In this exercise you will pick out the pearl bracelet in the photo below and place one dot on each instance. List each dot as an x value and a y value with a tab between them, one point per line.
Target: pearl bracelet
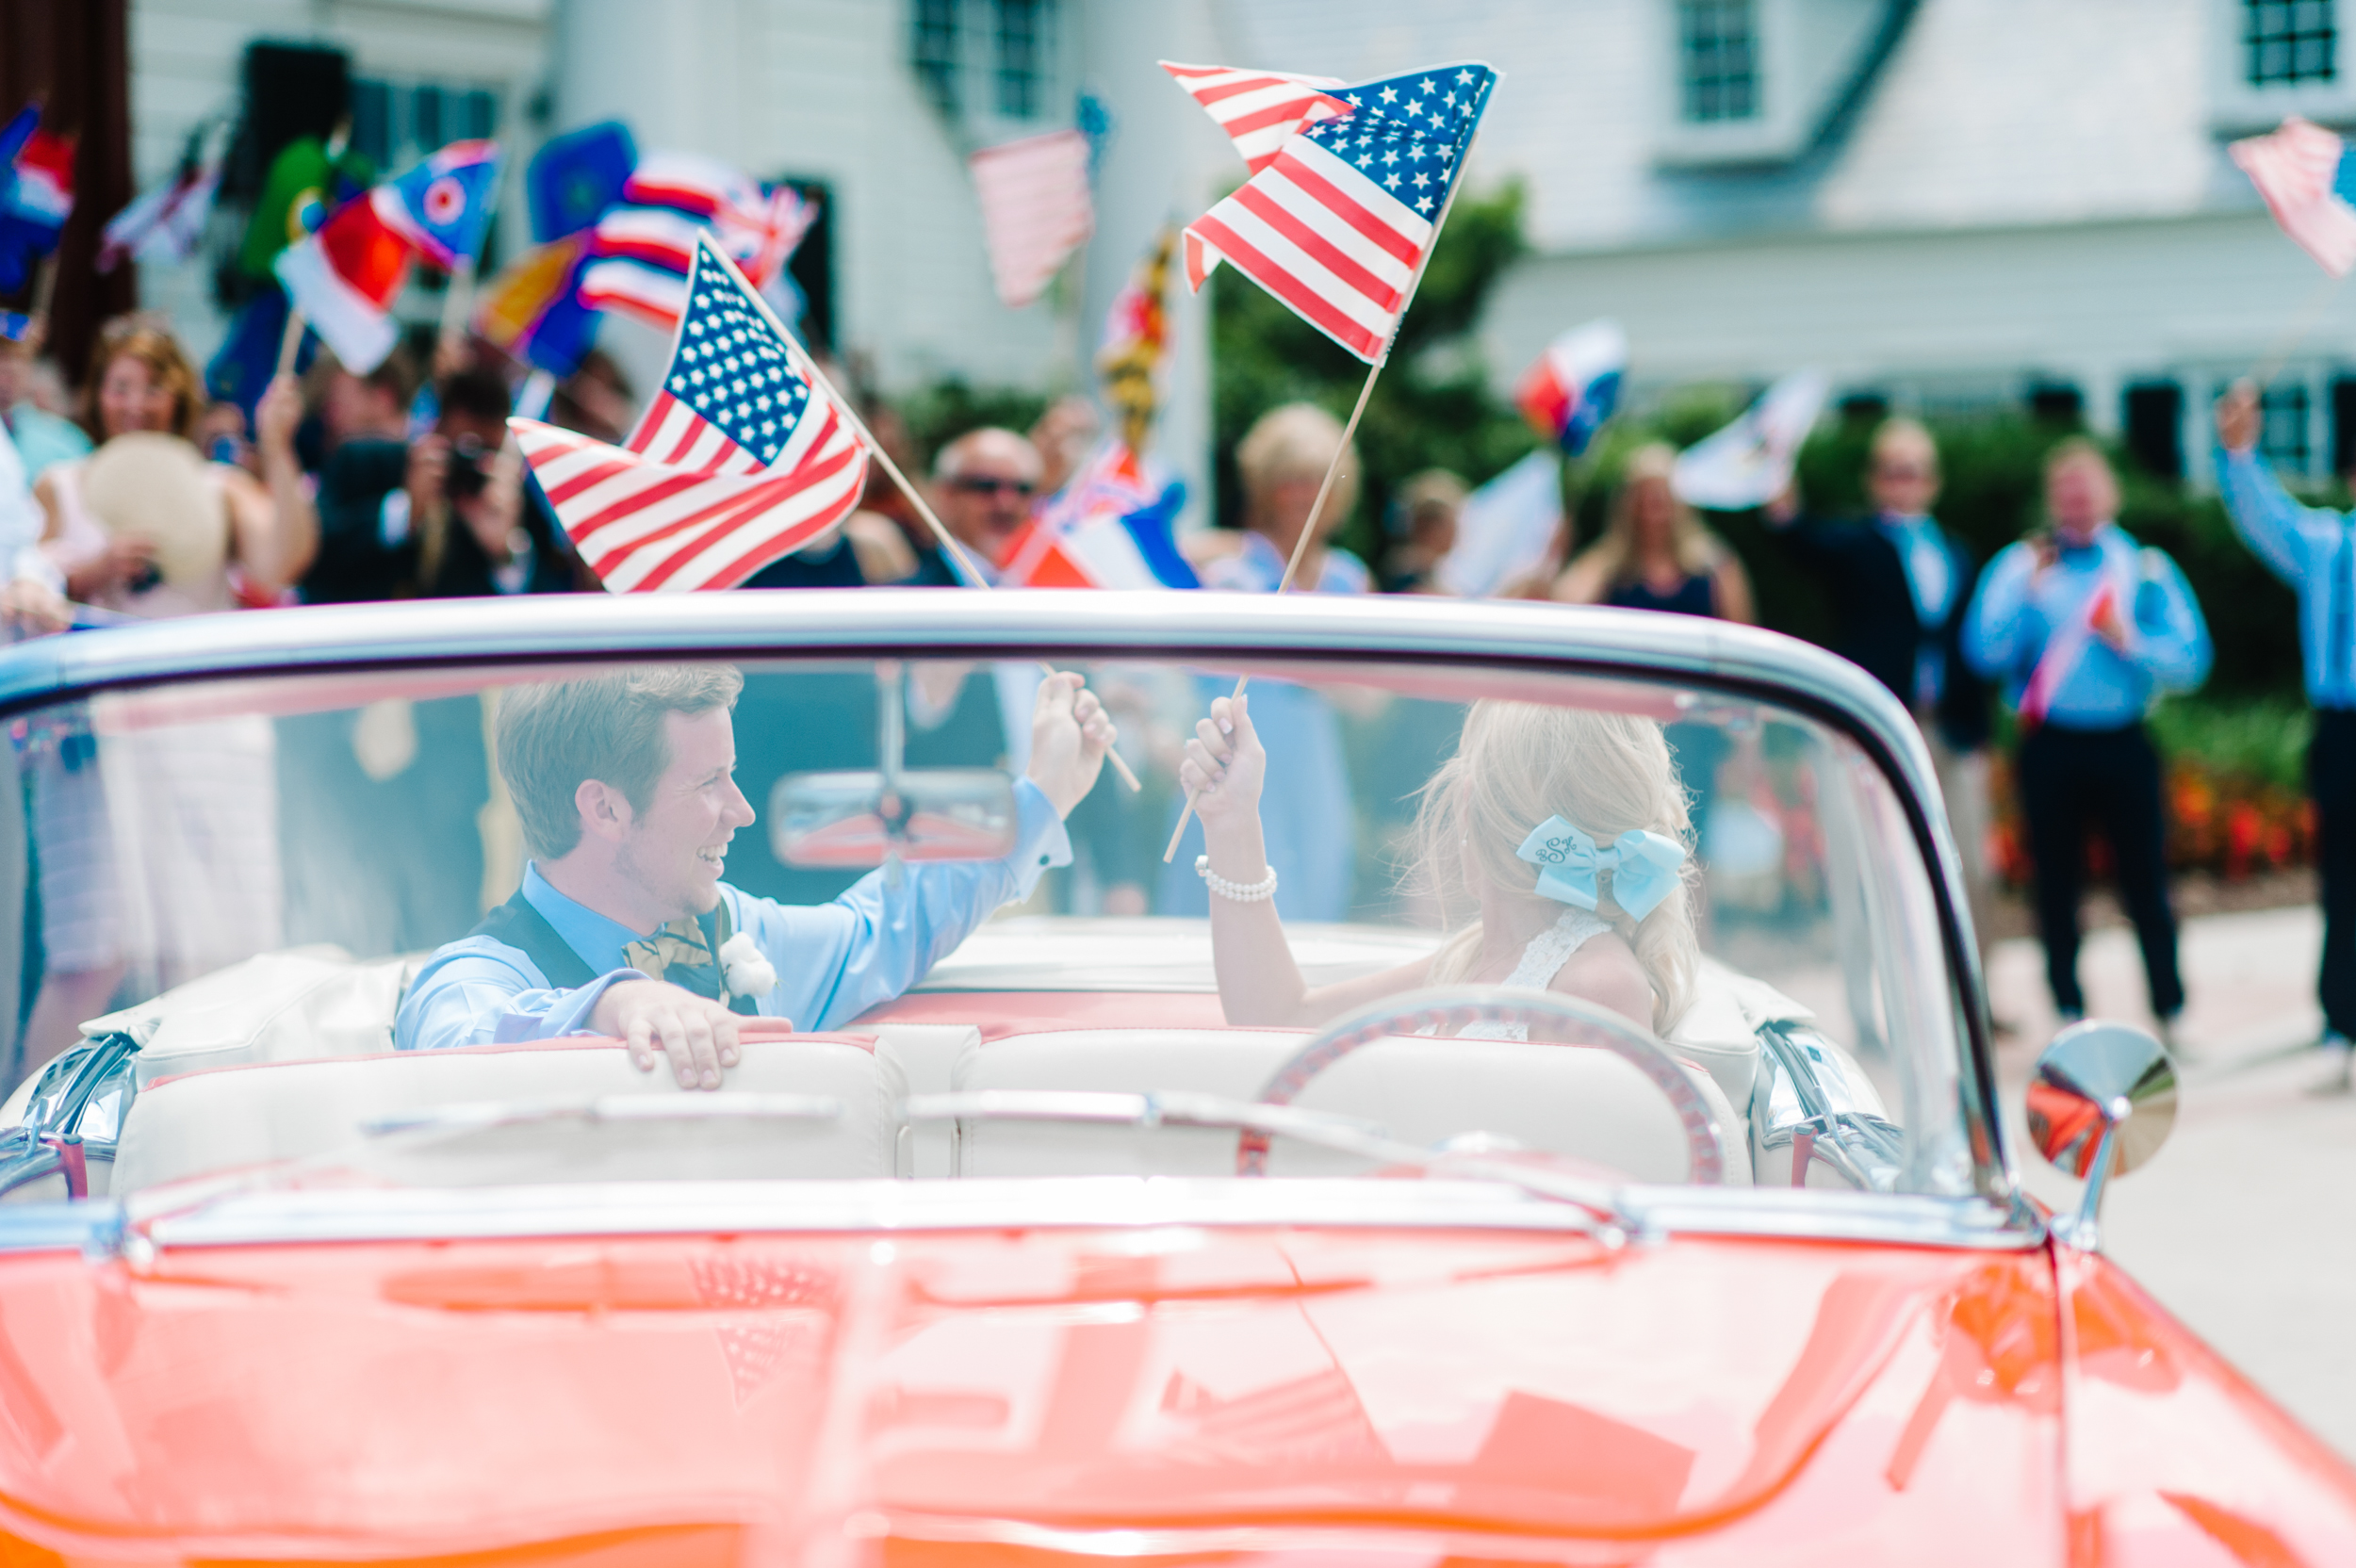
1237	893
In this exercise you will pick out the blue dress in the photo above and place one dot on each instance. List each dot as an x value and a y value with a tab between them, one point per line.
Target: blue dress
1307	809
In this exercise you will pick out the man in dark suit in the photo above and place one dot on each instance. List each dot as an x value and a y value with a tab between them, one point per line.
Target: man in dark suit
1899	583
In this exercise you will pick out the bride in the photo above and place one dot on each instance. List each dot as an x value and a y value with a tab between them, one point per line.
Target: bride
1555	840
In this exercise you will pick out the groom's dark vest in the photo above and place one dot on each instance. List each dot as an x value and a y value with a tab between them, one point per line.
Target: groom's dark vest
518	926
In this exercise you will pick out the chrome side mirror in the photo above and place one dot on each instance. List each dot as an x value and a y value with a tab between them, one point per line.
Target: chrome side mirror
2102	1101
861	819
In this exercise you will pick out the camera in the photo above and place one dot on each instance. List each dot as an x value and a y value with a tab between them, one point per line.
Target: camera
470	469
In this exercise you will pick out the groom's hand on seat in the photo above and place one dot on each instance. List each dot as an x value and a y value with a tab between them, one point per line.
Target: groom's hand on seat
659	1021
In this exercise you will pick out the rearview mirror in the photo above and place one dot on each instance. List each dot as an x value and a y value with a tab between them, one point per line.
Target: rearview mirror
855	819
2102	1101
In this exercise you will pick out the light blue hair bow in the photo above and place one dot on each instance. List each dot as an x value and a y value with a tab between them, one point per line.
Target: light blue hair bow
1644	866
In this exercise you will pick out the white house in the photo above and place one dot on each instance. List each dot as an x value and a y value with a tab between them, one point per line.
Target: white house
1945	203
879	102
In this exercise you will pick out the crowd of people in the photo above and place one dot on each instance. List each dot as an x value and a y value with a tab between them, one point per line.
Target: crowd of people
146	500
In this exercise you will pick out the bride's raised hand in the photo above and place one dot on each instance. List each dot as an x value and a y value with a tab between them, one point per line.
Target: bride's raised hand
1225	766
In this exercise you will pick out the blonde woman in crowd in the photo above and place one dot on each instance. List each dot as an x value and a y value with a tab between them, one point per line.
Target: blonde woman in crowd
1283	459
1556	844
1654	554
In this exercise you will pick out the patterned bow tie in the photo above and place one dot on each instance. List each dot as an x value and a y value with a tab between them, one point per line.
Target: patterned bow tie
676	952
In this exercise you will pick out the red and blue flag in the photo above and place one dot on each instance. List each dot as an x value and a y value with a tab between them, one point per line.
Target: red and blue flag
444	206
642	248
35	195
1575	385
1111	527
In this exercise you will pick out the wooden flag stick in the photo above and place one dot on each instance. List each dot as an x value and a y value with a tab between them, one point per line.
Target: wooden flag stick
808	367
290	342
457	304
1309	529
45	288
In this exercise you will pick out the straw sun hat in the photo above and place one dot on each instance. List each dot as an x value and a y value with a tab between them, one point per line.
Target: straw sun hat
153	486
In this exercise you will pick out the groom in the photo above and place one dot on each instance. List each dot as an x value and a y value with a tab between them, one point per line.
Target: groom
625	782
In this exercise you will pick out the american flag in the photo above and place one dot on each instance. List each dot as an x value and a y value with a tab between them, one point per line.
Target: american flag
740	459
1258	109
640	250
1036	209
2307	180
1338	223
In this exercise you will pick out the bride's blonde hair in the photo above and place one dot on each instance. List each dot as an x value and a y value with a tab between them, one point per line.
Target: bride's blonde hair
1519	763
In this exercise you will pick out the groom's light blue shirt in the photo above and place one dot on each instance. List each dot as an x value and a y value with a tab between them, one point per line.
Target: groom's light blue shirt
834	961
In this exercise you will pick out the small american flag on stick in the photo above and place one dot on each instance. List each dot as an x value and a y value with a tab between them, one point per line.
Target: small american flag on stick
741	458
1036	209
1338	222
1258	109
2305	175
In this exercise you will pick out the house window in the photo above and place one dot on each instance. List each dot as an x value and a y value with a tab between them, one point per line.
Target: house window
2286	42
396	123
2284	432
1021	56
933	51
1718	60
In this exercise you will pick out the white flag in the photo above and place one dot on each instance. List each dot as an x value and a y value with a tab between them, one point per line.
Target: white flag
1505	528
1750	462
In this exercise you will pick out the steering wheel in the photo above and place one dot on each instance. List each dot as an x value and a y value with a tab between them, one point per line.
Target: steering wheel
1547	1015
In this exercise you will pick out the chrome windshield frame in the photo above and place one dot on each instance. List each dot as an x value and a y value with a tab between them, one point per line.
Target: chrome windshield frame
1738	661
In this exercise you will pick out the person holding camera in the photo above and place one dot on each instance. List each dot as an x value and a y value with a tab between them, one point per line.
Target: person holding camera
441	516
473	530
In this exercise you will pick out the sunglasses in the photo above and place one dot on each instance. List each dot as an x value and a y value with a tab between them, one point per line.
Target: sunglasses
983	484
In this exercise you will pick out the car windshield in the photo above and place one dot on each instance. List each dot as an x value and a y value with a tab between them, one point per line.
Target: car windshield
883	920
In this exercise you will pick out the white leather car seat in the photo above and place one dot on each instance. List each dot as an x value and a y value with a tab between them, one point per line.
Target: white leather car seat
219	1120
1584	1102
297	1005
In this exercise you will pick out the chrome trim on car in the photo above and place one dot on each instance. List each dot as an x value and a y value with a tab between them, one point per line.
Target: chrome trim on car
1221	628
166	1219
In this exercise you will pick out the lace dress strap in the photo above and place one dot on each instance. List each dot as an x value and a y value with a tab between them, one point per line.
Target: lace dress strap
1540	961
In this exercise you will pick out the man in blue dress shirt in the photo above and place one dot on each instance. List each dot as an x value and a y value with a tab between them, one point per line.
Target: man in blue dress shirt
2084	628
625	786
2314	550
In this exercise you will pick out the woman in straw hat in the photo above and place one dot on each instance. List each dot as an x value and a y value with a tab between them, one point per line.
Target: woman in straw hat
158	848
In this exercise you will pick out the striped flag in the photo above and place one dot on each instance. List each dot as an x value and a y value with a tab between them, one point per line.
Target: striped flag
1036	209
163	225
35	195
2308	181
1338	223
1258	109
642	248
740	459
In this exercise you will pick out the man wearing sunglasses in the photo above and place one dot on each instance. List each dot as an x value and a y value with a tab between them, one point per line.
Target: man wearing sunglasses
1897	583
983	482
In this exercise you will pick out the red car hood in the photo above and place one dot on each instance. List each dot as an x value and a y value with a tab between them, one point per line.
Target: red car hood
1166	1393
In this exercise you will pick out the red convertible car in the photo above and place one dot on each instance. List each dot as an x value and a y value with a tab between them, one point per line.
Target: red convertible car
1571	1137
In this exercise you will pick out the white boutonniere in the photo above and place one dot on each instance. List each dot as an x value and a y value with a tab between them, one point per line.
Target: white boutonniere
746	972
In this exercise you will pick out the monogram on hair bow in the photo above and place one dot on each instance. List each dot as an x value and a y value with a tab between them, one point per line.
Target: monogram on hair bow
1644	866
